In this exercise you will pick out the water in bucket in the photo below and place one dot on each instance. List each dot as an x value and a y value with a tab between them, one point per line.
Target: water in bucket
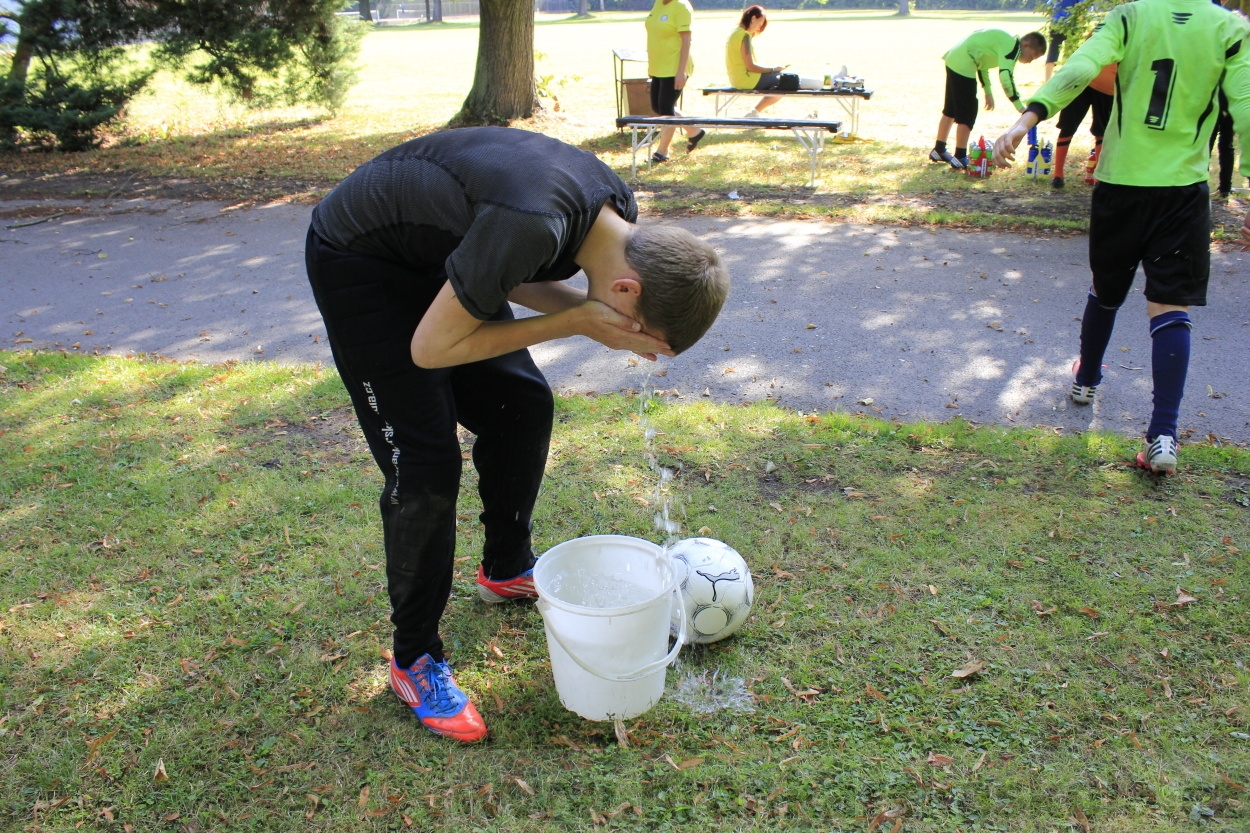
606	602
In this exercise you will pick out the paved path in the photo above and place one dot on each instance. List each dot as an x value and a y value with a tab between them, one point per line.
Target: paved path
907	323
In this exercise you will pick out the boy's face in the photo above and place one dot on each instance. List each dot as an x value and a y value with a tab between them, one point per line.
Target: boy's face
623	297
1028	54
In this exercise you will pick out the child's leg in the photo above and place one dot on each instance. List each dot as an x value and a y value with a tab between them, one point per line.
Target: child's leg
944	132
1169	363
962	132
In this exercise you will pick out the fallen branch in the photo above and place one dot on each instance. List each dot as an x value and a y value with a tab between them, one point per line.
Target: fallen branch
35	222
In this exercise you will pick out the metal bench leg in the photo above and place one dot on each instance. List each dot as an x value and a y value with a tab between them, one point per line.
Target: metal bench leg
723	102
648	139
813	141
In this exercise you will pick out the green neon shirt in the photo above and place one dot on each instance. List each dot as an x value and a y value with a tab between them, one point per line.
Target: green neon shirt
1173	56
739	76
984	49
665	25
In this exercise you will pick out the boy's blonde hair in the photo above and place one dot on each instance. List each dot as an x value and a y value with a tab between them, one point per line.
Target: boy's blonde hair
684	283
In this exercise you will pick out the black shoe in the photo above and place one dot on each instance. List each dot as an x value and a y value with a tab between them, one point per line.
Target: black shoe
657	158
949	158
1057	183
691	144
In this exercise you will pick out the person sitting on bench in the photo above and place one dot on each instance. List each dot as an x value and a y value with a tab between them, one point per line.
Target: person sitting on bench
746	74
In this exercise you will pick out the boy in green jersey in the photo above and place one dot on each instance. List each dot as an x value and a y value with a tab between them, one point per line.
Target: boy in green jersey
1151	205
972	59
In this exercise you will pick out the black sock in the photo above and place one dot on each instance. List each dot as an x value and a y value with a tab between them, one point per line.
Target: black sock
940	147
960	153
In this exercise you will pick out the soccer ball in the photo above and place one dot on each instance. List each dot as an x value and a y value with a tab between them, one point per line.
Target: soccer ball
716	588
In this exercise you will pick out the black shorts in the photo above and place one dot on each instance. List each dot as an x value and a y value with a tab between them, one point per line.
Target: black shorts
1167	230
768	81
961	98
1070	117
1056	41
664	96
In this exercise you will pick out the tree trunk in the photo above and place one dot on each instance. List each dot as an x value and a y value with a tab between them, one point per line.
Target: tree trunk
366	13
21	61
583	8
503	83
438	12
904	8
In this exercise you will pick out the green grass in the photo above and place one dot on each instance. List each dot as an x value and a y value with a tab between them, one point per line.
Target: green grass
413	79
193	619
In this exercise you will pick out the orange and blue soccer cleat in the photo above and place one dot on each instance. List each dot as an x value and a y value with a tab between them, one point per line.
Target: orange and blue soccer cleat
508	589
429	690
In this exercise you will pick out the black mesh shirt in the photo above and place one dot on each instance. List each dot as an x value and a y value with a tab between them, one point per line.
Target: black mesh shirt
496	207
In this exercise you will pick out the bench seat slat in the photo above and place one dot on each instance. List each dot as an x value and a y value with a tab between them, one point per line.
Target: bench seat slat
722	121
726	90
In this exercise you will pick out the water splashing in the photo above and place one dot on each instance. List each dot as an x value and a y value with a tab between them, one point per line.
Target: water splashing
710	692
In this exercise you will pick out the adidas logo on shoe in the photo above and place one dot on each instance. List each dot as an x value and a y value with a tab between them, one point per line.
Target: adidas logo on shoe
1159	456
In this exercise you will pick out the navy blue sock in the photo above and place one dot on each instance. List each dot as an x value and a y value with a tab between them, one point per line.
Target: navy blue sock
1169	356
940	147
1096	326
961	152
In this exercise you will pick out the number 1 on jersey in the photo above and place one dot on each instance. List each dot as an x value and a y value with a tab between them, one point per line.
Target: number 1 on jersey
1160	94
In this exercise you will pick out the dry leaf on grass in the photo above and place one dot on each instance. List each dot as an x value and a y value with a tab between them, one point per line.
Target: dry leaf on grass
1183	598
968	669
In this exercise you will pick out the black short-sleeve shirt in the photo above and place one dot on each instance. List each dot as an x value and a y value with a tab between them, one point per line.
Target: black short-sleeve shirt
496	207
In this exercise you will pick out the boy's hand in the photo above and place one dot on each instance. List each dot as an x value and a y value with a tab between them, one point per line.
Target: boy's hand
1005	147
619	332
989	101
1006	144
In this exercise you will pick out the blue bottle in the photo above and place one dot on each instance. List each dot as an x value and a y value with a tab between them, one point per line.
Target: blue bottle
1046	156
1031	167
1033	136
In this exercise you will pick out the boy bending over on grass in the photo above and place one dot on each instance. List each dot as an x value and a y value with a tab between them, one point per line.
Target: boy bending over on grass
972	59
413	260
1151	205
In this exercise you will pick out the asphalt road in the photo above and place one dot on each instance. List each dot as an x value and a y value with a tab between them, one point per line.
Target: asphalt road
906	323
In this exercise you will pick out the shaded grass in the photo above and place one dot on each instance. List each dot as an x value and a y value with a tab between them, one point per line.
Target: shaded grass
413	79
193	621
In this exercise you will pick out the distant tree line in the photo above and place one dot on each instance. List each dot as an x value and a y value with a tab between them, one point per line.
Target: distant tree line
817	5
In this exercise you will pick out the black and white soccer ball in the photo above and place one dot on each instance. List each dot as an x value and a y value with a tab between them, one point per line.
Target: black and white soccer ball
716	588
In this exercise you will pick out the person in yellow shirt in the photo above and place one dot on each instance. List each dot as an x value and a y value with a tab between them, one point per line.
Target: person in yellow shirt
746	74
669	64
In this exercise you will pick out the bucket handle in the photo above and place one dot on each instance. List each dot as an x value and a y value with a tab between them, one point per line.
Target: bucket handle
648	669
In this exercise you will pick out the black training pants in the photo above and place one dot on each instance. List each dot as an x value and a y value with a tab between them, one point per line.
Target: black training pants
409	414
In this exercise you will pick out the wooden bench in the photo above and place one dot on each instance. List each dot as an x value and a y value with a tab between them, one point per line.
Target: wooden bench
848	98
809	132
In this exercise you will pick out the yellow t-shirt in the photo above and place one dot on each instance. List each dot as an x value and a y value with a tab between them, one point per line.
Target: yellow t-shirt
740	77
664	27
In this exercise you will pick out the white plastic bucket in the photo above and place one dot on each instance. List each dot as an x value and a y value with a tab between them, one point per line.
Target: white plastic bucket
607	602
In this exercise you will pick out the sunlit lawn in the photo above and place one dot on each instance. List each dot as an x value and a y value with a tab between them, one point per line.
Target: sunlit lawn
956	629
414	79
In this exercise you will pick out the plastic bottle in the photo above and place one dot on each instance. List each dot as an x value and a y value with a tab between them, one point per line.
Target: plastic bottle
987	159
1047	151
1031	167
1090	166
1033	136
974	159
983	167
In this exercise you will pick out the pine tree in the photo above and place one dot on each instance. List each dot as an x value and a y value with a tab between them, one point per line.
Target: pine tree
75	63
